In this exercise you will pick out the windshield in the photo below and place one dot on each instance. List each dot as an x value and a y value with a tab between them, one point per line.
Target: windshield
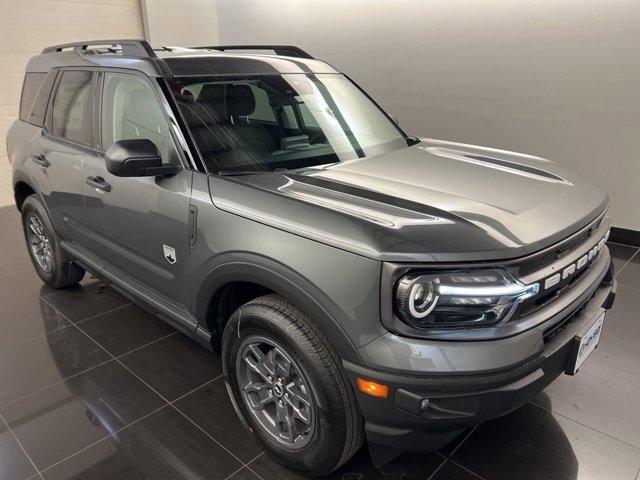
288	121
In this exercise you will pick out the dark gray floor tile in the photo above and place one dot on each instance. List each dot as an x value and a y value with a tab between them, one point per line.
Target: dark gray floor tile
626	307
31	365
449	448
618	265
244	474
451	471
5	272
211	409
630	275
533	443
87	408
405	467
622	252
86	300
127	328
174	365
164	445
26	284
17	262
604	393
27	316
14	464
11	236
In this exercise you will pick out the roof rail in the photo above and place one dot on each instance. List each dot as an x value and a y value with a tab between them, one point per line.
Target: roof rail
286	50
133	48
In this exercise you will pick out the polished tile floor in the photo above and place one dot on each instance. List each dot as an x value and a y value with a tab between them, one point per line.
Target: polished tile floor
93	387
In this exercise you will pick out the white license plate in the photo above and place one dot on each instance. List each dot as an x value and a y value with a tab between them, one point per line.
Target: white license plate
588	342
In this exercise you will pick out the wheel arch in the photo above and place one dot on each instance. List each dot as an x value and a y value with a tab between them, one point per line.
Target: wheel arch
259	275
21	190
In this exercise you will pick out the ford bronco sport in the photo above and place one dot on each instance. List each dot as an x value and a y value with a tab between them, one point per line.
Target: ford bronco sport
359	283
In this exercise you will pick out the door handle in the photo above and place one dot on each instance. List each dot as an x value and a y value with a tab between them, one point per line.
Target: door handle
41	160
99	183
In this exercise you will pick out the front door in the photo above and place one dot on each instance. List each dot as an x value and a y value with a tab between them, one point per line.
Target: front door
140	225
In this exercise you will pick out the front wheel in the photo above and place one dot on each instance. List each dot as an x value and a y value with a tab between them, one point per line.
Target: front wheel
289	387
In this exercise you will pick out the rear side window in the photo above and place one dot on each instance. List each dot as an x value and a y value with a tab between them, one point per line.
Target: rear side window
72	107
30	87
39	109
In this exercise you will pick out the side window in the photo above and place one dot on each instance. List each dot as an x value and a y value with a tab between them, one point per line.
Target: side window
263	111
131	110
30	87
289	118
307	117
71	111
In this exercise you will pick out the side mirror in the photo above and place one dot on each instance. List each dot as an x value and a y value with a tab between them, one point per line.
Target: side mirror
137	157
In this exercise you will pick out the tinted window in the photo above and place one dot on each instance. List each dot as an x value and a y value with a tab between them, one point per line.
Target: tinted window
268	122
263	111
71	114
131	110
30	87
39	108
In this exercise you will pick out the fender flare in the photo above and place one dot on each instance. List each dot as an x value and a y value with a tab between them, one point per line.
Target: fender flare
248	267
19	176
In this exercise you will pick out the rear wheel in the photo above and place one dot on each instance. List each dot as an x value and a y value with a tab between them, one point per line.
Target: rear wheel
289	387
52	264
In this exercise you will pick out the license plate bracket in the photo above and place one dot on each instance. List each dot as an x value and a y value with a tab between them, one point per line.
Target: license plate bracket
584	343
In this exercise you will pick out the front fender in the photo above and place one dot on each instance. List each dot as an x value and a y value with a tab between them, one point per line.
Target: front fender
250	267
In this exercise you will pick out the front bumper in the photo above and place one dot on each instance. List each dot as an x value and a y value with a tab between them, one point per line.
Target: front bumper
457	400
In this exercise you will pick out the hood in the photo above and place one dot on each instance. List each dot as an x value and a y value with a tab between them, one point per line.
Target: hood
435	201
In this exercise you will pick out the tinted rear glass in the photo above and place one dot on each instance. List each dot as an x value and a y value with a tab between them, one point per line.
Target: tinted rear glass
30	87
71	110
39	109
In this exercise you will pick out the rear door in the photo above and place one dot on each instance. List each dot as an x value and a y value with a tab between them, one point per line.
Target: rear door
58	151
140	225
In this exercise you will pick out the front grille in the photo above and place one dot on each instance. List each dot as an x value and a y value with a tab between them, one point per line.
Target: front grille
534	303
546	259
555	330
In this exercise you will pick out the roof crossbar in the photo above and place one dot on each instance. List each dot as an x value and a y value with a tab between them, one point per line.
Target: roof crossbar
286	50
131	48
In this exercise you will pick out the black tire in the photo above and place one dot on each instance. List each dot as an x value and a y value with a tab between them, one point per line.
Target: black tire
61	272
337	423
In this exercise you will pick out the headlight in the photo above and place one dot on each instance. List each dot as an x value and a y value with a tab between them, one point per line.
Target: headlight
459	299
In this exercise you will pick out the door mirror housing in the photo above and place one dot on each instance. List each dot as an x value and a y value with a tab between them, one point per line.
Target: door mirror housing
137	157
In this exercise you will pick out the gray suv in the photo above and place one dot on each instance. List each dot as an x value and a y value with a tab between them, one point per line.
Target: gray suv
358	283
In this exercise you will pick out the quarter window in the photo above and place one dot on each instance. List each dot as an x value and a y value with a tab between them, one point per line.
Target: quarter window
30	87
71	113
39	108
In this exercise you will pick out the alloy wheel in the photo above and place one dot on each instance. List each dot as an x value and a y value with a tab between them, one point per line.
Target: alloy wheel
39	243
275	390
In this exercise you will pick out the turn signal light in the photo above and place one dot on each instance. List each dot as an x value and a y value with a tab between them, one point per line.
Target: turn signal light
372	388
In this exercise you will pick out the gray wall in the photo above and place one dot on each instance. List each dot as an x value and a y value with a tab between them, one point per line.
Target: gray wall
176	22
555	78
